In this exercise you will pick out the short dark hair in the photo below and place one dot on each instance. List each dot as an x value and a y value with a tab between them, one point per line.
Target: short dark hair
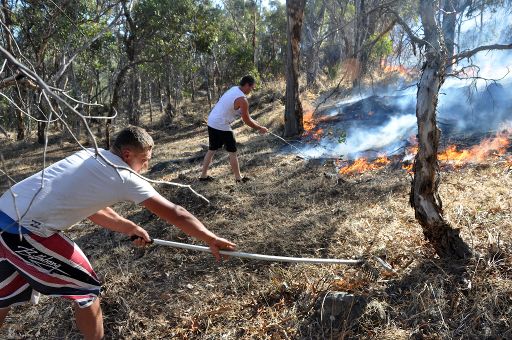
132	136
248	79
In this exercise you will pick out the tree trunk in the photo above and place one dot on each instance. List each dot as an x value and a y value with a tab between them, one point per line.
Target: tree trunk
20	92
20	124
452	9
30	102
128	40
150	100
114	103
424	196
161	96
312	27
207	78
41	128
193	88
134	107
217	75
365	27
76	122
449	23
293	115
6	11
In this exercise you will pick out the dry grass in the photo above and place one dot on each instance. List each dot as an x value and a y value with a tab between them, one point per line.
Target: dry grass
291	209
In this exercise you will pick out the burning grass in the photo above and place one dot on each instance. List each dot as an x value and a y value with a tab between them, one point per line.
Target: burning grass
492	148
361	165
291	209
488	148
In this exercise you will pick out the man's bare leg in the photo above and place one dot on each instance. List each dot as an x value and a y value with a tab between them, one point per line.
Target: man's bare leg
235	167
206	162
3	314
90	321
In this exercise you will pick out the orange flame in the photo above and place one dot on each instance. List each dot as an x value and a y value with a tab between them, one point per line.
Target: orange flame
408	167
496	146
410	152
400	69
361	165
318	134
310	124
489	147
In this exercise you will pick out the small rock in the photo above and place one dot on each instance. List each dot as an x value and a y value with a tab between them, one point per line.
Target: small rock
339	310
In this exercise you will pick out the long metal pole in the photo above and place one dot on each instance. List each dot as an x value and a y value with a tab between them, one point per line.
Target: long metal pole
259	256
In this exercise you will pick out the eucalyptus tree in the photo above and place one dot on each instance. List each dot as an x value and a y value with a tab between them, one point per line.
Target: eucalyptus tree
455	12
293	114
150	32
424	196
239	46
313	25
273	40
49	36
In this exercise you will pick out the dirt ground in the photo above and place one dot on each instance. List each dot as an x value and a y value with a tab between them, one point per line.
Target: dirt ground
291	208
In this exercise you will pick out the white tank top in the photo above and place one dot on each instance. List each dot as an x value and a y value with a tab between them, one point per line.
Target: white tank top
224	113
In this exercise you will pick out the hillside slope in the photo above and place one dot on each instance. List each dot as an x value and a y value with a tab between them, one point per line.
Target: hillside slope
291	208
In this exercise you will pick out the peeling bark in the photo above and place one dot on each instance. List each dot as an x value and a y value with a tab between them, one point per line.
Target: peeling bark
424	196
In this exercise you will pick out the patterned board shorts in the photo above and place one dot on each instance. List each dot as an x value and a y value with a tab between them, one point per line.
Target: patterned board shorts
32	264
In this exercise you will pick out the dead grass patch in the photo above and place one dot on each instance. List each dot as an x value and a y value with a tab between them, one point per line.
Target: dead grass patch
290	209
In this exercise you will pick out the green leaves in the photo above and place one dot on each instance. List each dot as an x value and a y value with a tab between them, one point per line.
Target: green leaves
382	48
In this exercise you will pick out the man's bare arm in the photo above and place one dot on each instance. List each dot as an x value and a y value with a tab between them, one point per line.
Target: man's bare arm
188	223
109	219
243	105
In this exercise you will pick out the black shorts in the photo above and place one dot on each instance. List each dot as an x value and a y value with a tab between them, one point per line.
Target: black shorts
218	138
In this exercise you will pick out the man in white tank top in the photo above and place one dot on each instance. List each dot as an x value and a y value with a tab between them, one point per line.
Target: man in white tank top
231	105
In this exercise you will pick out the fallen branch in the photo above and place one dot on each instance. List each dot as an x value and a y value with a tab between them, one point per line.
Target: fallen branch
48	92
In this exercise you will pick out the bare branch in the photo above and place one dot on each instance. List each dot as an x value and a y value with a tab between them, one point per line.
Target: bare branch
10	100
81	102
85	46
414	38
470	53
3	66
17	79
48	92
457	74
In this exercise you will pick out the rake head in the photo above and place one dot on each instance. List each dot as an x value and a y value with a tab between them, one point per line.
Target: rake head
371	266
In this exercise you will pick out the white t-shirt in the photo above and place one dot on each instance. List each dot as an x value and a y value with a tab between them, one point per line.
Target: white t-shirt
74	188
224	113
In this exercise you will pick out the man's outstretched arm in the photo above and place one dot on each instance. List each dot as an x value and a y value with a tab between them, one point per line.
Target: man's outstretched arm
188	223
243	105
109	219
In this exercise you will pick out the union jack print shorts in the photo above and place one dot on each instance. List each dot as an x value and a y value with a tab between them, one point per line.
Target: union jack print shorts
52	266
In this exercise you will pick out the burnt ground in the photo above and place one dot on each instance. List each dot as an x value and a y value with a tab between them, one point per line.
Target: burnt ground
290	208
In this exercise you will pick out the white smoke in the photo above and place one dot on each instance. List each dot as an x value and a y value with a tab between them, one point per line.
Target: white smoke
465	105
386	139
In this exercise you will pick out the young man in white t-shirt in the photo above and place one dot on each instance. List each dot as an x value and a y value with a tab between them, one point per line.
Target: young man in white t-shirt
231	105
35	257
